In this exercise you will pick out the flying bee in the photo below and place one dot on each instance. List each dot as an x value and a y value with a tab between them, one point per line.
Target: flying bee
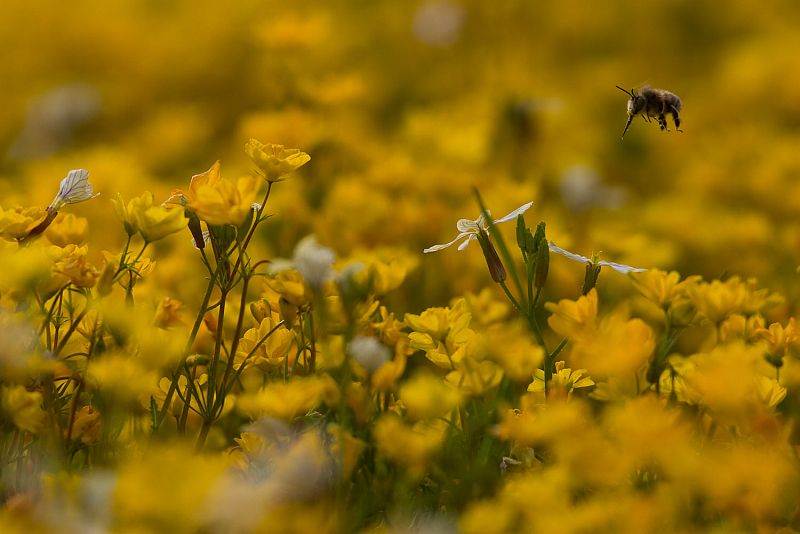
651	103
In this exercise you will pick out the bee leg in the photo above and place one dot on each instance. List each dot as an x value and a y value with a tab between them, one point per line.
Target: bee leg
676	119
662	121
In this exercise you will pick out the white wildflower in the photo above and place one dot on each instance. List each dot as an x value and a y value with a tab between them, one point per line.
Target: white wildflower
469	230
75	187
619	267
370	353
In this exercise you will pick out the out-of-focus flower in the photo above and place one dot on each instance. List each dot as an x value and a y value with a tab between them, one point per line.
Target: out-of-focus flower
67	229
469	229
273	162
23	408
75	187
428	397
368	352
582	188
387	375
79	271
730	381
286	401
716	300
411	447
313	261
18	222
511	347
570	318
475	377
438	23
167	313
121	379
619	267
663	287
165	489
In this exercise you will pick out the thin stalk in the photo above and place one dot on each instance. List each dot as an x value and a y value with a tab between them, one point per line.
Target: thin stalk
195	329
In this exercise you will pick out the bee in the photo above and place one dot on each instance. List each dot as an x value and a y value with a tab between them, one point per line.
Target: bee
650	103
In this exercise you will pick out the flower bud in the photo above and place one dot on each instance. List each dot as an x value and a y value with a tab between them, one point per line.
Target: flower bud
260	310
542	265
590	279
496	268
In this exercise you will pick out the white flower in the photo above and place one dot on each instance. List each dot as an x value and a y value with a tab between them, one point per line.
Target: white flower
75	187
313	261
620	268
368	352
469	229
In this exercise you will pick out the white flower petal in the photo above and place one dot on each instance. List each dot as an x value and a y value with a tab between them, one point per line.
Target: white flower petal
571	255
279	265
468	225
435	248
620	268
513	214
466	242
74	188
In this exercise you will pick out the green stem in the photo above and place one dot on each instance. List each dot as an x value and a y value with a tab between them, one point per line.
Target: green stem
195	329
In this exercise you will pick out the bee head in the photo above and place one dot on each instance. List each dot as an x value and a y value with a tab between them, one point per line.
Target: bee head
636	102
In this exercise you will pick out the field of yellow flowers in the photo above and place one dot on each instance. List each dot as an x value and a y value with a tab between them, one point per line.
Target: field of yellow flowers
387	267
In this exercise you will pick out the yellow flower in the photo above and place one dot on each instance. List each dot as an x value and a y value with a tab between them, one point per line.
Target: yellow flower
152	221
122	379
79	271
427	397
273	162
219	201
512	348
474	377
86	427
16	223
290	286
779	338
167	313
124	214
389	373
572	318
160	490
561	385
411	447
731	383
618	347
23	408
273	351
717	300
662	287
288	400
67	229
442	333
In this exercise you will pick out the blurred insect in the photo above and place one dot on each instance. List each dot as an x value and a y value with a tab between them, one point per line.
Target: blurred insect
650	103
